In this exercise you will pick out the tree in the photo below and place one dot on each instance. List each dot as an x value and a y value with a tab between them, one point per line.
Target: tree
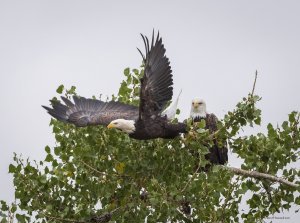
97	175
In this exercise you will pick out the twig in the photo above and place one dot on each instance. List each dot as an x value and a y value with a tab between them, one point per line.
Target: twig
192	177
63	219
212	135
268	191
105	217
103	173
254	83
224	206
259	175
92	168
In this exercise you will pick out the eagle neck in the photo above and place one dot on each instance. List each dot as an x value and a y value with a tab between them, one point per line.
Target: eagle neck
199	113
128	126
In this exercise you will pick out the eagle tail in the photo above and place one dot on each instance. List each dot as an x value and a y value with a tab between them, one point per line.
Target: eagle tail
170	111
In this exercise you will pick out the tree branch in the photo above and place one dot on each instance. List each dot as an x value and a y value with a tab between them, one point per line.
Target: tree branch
63	219
92	168
259	175
106	217
103	173
253	88
191	178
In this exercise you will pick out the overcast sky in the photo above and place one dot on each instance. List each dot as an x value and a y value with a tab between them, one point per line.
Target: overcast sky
214	48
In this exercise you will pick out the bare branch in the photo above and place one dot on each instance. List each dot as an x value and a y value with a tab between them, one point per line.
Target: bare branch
259	175
254	83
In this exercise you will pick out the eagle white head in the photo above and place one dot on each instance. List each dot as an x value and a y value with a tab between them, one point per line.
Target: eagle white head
123	124
198	108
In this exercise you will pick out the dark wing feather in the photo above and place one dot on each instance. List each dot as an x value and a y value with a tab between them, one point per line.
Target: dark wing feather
211	122
84	112
219	154
156	85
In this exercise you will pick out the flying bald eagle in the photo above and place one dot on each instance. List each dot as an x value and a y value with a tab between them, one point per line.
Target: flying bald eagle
217	155
143	122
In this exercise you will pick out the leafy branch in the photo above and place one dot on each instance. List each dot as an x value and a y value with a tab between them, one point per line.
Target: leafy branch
259	175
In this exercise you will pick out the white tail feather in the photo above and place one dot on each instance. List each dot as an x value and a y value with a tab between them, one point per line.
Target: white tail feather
170	111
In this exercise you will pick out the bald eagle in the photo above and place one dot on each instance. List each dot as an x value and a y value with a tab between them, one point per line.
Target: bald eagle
217	155
145	121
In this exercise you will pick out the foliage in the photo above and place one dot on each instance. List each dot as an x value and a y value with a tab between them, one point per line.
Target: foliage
94	174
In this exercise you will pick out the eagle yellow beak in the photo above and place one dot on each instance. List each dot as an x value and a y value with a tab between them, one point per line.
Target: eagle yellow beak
111	125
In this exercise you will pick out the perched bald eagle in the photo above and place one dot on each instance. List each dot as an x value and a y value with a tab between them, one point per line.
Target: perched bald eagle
217	155
143	122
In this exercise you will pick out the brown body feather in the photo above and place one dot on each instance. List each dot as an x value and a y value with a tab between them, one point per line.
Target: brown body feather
217	154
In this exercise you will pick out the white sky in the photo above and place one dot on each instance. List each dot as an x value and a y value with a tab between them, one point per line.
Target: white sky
214	48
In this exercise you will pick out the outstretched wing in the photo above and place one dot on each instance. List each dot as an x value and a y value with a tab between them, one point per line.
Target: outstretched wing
84	112
156	84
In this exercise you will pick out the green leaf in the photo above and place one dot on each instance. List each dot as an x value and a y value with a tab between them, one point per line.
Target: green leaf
202	124
57	150
60	89
72	90
201	130
120	168
285	125
290	198
292	117
13	208
3	218
43	179
21	218
126	71
11	168
4	206
286	206
49	158
297	200
47	149
135	71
